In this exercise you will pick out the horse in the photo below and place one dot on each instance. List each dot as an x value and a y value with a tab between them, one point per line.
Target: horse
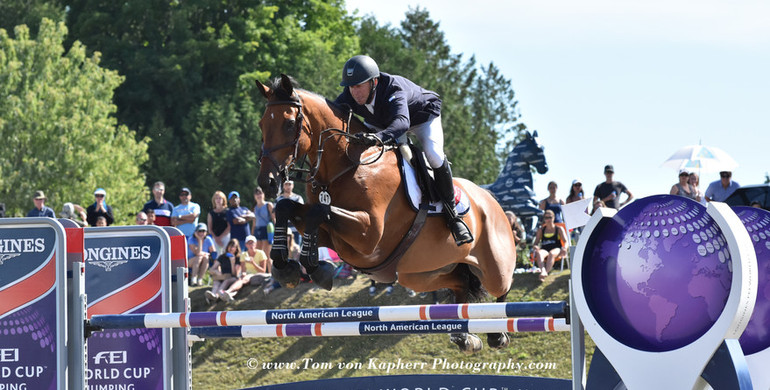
357	206
513	187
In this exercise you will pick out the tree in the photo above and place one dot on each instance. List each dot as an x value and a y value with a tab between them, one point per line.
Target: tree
190	69
58	127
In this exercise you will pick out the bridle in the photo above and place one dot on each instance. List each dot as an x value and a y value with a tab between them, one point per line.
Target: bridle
294	101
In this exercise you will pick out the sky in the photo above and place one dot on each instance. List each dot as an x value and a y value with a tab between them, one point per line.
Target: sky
625	83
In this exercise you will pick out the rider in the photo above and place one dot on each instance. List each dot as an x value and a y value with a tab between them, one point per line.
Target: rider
391	105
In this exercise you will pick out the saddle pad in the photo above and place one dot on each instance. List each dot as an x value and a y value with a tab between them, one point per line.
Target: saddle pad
414	192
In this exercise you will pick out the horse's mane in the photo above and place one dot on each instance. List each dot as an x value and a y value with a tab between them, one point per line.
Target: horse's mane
340	111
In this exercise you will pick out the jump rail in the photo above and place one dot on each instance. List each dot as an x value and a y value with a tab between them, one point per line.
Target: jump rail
558	309
320	329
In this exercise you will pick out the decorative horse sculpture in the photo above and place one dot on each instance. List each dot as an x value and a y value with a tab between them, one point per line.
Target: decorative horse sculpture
367	213
513	187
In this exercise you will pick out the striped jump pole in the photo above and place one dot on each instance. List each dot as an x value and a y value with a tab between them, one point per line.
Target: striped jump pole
332	315
320	329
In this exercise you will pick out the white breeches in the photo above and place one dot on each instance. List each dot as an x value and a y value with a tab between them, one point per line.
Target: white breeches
431	136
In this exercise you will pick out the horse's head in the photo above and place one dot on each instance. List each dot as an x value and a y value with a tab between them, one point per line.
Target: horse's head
534	152
283	138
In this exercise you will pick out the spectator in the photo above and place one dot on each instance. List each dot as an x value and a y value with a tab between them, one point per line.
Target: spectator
683	188
720	190
518	232
255	266
552	202
263	212
694	181
756	204
141	218
239	219
609	192
217	221
575	191
288	193
74	212
224	270
200	251
40	210
185	215
550	244
161	207
99	208
150	217
101	221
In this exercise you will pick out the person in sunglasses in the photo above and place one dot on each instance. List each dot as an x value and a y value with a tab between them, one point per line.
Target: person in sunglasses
720	190
99	208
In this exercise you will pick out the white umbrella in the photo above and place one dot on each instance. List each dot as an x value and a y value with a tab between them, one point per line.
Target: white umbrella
701	158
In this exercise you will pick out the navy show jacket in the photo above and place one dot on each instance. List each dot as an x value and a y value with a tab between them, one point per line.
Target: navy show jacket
398	105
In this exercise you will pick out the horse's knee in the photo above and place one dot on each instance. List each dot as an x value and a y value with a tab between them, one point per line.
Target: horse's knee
317	215
285	208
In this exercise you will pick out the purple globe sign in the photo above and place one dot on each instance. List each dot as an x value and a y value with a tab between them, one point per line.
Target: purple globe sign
657	275
756	337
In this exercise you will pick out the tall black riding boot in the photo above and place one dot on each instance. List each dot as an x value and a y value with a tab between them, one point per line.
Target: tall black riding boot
446	190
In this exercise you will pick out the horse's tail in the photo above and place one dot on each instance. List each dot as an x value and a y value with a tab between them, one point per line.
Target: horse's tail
475	291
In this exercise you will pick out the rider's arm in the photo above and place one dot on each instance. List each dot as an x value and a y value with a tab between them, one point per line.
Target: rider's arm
398	107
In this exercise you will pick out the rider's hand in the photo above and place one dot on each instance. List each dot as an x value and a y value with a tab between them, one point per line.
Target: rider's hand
365	139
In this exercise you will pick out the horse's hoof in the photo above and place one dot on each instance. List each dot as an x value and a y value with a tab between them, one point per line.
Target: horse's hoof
288	275
323	276
498	340
468	343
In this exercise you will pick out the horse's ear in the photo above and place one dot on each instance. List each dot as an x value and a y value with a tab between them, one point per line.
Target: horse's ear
263	89
286	84
534	134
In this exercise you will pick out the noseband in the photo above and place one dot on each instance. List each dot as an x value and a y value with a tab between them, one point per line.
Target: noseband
295	101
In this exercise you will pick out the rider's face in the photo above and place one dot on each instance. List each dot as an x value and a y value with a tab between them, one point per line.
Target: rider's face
360	92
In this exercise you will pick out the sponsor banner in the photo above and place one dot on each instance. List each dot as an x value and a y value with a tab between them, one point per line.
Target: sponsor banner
32	292
127	271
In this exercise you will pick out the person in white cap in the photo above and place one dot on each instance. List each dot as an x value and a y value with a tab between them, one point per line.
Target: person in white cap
99	208
575	191
201	250
683	188
255	269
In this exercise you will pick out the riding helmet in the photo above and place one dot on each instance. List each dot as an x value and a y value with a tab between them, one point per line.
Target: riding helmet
359	69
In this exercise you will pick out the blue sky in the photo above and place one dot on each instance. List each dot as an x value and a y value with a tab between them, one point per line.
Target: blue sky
620	82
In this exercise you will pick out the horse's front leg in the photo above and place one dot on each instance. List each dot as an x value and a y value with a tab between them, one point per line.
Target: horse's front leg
322	273
286	271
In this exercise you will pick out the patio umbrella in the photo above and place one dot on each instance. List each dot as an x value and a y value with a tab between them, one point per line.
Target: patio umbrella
701	158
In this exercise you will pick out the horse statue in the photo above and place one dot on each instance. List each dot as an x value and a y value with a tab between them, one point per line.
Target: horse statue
357	206
513	187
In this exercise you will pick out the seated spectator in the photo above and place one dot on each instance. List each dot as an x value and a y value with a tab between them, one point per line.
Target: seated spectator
518	232
101	221
550	244
200	251
99	208
40	210
255	266
224	270
75	213
141	218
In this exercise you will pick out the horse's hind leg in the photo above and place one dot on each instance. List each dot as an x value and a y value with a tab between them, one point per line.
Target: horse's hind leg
499	340
469	343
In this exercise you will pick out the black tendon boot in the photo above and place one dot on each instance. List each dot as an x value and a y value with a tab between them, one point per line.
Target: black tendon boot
446	190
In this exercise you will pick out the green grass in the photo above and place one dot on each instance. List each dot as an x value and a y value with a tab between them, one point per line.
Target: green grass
238	363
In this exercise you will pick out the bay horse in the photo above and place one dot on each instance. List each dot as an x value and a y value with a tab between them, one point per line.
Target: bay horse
367	212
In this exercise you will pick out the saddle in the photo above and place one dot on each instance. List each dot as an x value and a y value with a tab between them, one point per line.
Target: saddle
423	198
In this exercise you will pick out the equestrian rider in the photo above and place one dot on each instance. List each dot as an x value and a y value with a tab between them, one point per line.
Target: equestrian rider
391	105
